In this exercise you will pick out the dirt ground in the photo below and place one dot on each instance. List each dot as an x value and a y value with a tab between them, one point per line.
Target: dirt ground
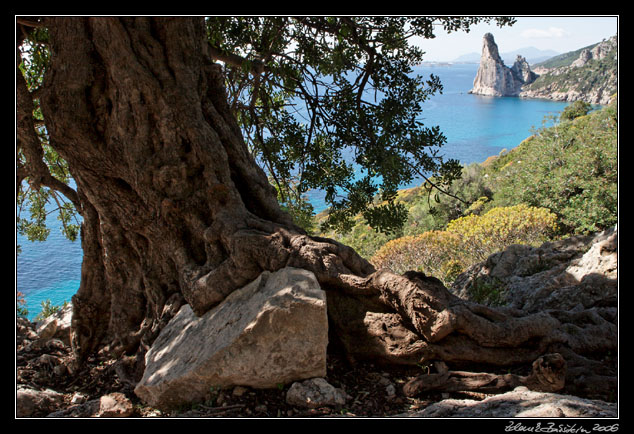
375	391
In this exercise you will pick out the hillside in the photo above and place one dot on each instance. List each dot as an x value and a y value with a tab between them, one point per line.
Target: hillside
589	74
577	184
564	59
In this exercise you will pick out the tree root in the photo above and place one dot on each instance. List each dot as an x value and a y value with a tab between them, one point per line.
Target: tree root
548	375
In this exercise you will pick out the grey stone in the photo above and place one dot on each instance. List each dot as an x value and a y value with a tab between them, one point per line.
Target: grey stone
575	273
520	402
272	331
36	403
314	393
115	405
56	325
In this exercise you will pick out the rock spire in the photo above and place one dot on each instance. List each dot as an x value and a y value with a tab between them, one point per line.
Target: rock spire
496	79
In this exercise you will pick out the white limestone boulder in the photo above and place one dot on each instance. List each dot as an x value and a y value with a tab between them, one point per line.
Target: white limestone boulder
272	331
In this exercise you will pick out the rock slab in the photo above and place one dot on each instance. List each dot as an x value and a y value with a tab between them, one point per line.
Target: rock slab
56	326
272	331
520	402
572	274
36	403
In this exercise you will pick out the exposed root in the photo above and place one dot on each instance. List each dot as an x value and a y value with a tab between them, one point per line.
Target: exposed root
548	375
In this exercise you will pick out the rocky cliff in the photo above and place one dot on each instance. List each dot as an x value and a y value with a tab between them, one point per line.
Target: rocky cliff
592	77
494	78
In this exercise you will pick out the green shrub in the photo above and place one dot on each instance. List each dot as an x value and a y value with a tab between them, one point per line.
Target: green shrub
570	168
466	195
425	213
363	239
487	290
49	309
574	110
21	309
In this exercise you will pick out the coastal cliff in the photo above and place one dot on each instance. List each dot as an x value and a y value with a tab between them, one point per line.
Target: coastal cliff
590	76
494	78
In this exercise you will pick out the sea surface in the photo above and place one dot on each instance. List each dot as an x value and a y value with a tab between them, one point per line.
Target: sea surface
476	127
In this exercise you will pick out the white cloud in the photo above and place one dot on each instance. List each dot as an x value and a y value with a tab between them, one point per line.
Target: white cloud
551	32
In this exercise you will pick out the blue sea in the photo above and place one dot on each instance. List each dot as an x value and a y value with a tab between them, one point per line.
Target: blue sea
476	128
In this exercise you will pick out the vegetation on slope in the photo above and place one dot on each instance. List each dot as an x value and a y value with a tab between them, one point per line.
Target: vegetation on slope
596	75
564	59
560	181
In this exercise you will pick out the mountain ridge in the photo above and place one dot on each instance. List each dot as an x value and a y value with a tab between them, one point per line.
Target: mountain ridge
531	54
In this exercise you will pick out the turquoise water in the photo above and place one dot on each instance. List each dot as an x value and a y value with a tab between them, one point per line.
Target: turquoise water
48	270
476	127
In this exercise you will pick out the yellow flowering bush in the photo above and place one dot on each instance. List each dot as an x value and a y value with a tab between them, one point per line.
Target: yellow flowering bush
492	232
466	241
435	253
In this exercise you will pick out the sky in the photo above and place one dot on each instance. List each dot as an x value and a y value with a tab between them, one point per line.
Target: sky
558	33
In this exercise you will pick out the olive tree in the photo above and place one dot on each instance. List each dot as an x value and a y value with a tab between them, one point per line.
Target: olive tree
179	137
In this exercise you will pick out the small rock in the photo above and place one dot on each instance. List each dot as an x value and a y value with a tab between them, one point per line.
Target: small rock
78	398
55	344
520	402
36	403
46	330
384	381
239	391
56	325
390	390
115	405
220	399
314	393
60	370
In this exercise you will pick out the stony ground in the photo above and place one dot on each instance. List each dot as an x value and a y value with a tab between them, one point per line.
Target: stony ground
375	391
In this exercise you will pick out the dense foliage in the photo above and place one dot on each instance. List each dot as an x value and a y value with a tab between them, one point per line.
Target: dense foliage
570	168
500	227
436	253
425	213
331	103
38	196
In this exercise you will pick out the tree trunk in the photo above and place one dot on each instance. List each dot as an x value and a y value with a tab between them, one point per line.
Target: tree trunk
176	211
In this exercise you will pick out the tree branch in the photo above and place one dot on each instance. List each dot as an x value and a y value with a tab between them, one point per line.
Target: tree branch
29	22
433	185
27	140
256	66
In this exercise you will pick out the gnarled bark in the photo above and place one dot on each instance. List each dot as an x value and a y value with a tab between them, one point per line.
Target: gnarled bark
547	375
176	210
